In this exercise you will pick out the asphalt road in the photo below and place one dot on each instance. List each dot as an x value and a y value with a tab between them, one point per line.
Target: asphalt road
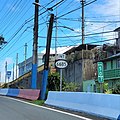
11	109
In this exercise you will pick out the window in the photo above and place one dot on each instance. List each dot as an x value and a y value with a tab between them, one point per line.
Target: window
118	63
105	66
111	64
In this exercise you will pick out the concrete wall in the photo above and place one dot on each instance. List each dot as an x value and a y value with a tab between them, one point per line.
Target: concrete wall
105	105
73	73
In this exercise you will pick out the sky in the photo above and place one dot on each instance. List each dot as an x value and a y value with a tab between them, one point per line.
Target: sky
17	20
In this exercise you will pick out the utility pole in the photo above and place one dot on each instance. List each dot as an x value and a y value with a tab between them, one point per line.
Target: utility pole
5	71
56	34
13	71
25	58
35	45
83	26
46	63
16	64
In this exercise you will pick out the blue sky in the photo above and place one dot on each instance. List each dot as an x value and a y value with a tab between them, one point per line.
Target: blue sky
14	14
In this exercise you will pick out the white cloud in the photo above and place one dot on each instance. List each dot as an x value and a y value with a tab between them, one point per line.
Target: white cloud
60	50
104	8
108	7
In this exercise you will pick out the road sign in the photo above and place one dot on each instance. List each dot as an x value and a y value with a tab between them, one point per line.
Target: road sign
100	72
61	63
8	74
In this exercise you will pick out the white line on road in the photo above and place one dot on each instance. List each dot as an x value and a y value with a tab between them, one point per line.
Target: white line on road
59	111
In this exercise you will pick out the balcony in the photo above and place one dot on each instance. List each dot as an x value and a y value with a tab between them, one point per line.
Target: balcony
111	74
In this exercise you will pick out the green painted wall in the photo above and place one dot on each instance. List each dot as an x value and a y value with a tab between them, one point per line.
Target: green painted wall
88	86
108	65
114	64
111	64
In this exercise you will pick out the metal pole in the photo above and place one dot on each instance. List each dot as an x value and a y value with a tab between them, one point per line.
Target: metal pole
60	79
25	57
16	65
101	87
83	34
35	45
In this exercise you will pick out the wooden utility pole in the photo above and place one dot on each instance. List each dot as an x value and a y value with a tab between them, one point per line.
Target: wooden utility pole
35	45
83	26
56	33
25	58
46	63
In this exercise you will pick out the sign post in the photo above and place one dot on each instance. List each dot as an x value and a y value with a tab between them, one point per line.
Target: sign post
100	75
61	63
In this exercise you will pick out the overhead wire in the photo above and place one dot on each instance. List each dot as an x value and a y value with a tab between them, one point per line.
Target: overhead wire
75	9
7	14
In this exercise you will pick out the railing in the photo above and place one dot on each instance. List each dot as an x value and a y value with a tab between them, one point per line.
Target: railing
111	74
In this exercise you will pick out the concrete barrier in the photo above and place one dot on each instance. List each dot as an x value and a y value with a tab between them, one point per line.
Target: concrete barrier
3	91
30	94
13	92
104	105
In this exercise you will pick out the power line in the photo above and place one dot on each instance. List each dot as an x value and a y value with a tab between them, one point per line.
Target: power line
76	9
81	35
16	21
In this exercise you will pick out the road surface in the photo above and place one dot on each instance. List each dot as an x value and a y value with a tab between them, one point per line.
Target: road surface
13	109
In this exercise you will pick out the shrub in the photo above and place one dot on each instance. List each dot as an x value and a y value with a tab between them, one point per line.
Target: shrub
71	87
116	89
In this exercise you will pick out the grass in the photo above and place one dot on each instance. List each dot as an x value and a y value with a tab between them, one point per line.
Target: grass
38	102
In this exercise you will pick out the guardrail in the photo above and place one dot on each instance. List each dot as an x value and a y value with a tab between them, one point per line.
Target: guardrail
31	94
105	105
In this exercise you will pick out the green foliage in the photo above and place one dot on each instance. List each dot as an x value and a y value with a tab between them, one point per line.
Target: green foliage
71	87
54	82
106	89
116	89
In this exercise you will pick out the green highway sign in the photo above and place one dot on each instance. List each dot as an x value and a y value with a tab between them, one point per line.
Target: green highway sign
100	72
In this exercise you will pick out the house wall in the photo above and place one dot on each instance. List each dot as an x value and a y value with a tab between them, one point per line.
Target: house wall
89	86
109	65
89	69
29	64
73	73
114	64
78	71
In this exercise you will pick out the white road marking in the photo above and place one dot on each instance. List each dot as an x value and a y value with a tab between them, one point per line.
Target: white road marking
59	111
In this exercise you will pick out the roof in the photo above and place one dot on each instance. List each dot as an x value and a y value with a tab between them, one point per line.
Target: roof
81	47
110	58
117	29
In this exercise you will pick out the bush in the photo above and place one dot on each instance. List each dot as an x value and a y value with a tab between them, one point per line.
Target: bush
116	89
54	82
73	87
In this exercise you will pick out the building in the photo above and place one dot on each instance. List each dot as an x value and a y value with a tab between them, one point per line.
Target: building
26	66
112	70
80	65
